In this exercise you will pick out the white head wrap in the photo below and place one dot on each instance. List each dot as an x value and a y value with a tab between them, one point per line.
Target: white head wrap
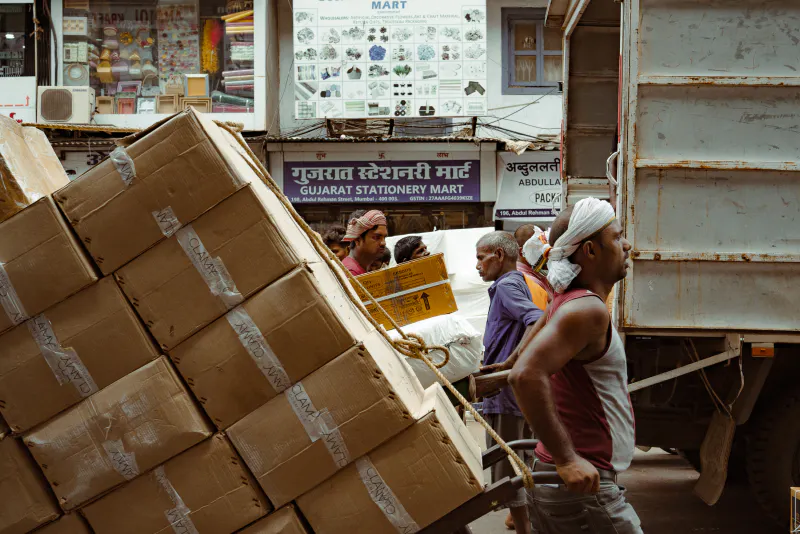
589	216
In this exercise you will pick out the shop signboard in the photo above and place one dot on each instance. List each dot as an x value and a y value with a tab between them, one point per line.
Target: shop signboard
530	186
350	182
389	59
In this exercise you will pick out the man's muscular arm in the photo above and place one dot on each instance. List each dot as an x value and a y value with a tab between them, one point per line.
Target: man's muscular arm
571	333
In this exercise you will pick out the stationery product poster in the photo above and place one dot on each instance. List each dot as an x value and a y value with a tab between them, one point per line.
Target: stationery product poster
389	58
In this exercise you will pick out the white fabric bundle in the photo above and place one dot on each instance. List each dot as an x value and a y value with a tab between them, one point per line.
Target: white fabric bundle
455	333
589	216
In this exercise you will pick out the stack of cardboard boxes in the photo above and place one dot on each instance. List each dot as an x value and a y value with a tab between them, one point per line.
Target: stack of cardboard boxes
295	402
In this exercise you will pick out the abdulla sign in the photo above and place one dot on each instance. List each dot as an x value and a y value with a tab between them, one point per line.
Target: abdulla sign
530	186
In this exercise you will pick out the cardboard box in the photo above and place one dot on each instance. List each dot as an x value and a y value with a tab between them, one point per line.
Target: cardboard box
794	510
205	489
181	167
46	158
25	500
415	306
133	425
418	477
67	524
90	340
27	172
348	407
409	292
41	263
243	244
233	372
409	275
283	521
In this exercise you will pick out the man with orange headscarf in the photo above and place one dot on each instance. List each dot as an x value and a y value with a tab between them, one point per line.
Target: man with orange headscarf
366	233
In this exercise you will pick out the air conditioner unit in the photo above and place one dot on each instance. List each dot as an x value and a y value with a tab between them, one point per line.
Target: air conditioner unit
65	105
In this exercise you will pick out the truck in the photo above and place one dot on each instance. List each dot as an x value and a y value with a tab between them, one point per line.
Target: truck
687	113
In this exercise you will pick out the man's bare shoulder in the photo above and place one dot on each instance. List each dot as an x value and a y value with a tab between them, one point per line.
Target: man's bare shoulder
585	317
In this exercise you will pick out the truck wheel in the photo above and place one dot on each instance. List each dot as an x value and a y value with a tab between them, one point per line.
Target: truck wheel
773	454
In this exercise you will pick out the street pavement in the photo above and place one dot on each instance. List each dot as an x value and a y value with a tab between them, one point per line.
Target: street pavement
660	489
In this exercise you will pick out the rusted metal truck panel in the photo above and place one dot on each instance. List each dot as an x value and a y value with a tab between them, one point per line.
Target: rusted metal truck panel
710	183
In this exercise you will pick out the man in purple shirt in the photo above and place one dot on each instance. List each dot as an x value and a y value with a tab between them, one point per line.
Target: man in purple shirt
511	314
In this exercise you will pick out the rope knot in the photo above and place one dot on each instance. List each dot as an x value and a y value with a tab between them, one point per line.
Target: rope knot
413	346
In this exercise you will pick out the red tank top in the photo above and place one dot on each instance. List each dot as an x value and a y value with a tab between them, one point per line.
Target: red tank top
592	401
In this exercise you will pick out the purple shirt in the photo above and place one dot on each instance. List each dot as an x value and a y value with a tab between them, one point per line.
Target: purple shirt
511	311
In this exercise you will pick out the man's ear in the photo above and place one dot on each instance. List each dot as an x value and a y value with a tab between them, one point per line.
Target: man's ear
501	254
589	249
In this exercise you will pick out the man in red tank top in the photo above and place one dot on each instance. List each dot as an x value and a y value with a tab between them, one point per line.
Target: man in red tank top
570	380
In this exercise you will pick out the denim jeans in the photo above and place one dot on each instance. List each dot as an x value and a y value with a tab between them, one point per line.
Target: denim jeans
554	510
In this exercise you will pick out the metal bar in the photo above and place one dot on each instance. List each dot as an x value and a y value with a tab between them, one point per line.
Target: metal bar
630	103
738	81
680	371
750	337
494	454
746	257
717	165
492	497
575	17
477	507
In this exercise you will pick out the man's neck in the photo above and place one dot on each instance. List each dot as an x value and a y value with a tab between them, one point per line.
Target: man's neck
507	268
601	289
361	259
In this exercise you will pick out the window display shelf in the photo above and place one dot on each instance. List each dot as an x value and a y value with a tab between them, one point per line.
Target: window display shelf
135	52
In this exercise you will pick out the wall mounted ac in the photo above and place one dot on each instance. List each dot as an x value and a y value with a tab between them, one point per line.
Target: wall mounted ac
65	105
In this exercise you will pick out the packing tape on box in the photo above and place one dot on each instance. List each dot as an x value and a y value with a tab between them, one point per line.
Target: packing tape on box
257	347
124	165
64	362
385	498
178	516
167	221
212	270
319	425
10	300
407	292
123	462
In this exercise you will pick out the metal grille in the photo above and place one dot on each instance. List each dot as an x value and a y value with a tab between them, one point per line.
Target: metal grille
56	105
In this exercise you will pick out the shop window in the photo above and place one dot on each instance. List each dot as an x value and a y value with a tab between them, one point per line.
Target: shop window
532	53
16	42
159	56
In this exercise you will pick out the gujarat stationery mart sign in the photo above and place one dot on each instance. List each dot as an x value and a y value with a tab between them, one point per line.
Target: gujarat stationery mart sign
389	58
530	186
382	181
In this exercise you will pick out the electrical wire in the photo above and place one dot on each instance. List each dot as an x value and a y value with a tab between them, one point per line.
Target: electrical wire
526	106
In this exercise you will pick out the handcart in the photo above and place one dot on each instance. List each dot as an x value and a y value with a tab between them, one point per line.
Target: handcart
495	495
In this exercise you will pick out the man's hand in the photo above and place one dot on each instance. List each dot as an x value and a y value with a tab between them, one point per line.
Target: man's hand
579	476
502	366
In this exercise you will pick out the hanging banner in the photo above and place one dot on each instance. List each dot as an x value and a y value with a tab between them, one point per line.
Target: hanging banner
382	181
391	59
530	186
